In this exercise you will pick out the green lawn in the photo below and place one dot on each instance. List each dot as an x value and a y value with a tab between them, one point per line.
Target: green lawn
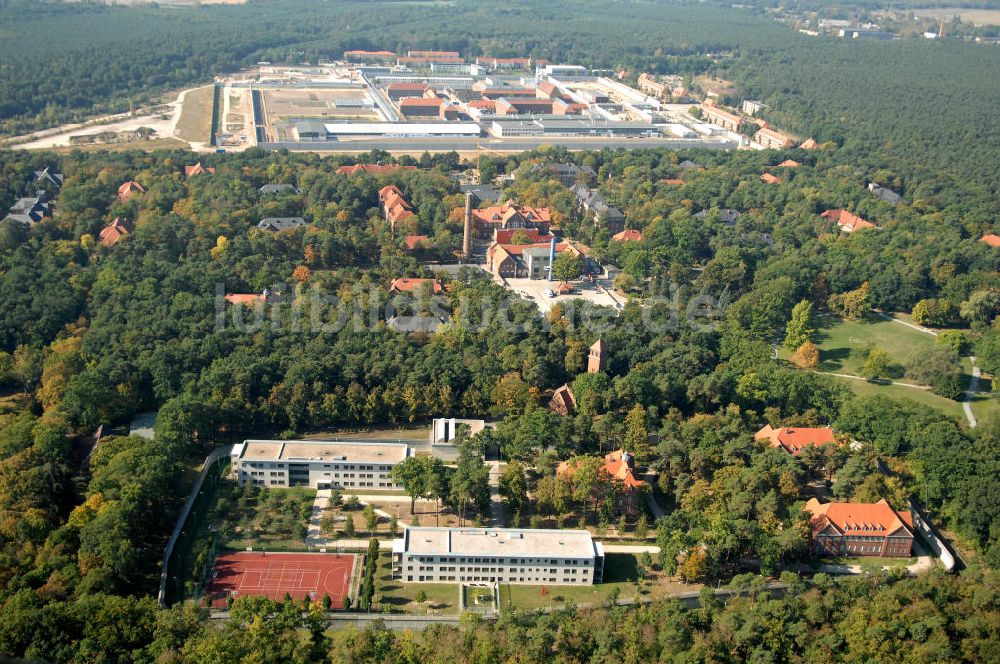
924	397
621	570
842	343
401	597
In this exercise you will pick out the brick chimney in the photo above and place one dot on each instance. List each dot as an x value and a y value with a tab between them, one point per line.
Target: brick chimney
467	230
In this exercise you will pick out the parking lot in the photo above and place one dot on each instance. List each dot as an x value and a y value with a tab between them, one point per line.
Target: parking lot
535	289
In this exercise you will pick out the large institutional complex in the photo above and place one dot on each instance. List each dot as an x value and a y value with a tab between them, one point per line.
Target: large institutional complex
497	555
317	464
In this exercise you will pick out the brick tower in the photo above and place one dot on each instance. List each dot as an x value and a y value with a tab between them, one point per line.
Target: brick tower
598	358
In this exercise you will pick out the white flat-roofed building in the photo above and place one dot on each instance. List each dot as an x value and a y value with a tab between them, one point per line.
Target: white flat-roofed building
317	464
402	129
497	555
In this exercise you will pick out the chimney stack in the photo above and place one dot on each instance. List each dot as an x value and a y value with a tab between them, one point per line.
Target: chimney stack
467	231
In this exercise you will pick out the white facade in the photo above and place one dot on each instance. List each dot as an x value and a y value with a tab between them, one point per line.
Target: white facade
497	555
445	429
316	464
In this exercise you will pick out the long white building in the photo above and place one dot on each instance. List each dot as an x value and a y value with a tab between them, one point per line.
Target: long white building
501	555
317	464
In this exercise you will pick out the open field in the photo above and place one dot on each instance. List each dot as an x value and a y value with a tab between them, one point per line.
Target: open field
924	397
843	343
195	123
976	17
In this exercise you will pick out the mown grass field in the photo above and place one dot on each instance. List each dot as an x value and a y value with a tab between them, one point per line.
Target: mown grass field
195	123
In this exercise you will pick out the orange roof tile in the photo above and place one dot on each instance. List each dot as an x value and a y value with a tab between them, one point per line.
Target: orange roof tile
794	439
991	239
630	235
407	285
859	518
770	179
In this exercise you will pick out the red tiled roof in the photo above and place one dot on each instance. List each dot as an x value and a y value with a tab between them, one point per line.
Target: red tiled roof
506	235
381	54
630	235
616	467
859	518
485	104
991	239
115	231
794	439
198	169
414	241
770	179
847	221
126	190
789	163
245	298
673	182
809	144
407	285
495	214
410	102
433	54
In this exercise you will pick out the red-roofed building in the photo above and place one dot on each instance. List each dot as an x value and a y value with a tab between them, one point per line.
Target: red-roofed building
372	169
548	90
407	285
397	91
673	182
530	261
772	138
395	208
249	299
509	216
630	235
129	189
860	529
484	106
618	469
724	119
414	242
506	235
518	106
809	144
115	232
563	402
198	169
426	61
421	107
767	178
846	221
789	163
991	239
794	439
509	93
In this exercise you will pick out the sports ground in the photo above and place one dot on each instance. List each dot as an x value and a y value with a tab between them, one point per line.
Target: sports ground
275	574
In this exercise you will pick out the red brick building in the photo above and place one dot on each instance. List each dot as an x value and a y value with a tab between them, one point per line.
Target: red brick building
618	469
794	439
860	529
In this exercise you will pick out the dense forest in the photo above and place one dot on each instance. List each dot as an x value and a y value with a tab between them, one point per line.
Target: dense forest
93	334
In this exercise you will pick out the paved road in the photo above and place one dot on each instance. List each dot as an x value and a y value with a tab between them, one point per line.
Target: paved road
853	377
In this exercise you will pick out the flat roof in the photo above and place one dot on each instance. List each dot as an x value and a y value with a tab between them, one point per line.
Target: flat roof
314	450
404	128
506	542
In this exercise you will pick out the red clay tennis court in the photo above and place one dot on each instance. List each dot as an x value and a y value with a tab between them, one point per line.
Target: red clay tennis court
274	574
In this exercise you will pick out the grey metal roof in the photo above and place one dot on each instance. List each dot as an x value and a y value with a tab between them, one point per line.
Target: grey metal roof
281	223
726	215
277	188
